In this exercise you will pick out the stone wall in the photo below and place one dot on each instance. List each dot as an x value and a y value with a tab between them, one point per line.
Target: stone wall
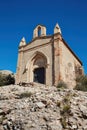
67	65
61	61
25	60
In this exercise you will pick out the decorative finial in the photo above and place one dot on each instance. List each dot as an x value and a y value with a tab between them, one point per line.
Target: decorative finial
57	29
23	42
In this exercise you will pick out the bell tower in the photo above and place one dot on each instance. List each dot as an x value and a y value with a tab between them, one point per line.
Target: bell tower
39	31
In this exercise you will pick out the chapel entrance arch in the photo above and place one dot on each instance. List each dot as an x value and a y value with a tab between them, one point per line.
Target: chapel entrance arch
37	68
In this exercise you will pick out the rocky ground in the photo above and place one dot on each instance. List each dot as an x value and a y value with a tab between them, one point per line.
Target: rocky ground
40	107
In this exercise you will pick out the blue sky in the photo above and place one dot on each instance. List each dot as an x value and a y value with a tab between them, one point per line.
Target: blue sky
18	18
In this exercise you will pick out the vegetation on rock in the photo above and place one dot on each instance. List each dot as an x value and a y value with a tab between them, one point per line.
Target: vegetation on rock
6	79
65	110
25	95
62	84
41	108
81	83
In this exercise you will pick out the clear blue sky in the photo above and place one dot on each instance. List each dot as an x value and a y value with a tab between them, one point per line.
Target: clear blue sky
18	18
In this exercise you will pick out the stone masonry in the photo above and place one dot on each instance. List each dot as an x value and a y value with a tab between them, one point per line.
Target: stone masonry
47	59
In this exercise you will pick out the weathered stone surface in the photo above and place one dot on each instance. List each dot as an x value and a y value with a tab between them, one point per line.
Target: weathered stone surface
42	110
40	104
52	55
83	109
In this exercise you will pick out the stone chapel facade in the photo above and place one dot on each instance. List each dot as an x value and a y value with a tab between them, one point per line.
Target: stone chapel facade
47	59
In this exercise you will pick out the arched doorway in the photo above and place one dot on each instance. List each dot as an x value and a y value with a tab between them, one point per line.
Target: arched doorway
39	75
37	66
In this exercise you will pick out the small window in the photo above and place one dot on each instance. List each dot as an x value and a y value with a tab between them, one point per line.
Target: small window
69	64
39	31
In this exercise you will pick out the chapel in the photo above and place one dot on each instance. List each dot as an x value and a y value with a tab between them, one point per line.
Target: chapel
47	59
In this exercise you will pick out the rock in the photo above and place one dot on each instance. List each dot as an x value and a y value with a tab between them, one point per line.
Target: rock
6	72
1	127
40	104
74	127
46	118
41	111
1	112
83	109
85	128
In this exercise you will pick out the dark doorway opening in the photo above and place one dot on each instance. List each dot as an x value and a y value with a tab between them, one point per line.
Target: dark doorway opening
39	75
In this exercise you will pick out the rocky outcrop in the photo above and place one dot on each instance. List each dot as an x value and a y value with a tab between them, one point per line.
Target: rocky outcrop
6	72
40	107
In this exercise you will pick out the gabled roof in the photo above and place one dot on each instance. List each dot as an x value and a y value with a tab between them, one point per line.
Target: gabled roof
71	51
51	36
41	37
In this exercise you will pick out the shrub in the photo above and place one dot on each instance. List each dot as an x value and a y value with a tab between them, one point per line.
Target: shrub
2	118
81	83
63	122
66	109
25	94
61	84
58	103
6	79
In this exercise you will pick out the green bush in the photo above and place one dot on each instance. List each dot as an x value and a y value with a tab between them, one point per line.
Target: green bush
25	95
6	79
81	83
63	122
62	84
66	109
